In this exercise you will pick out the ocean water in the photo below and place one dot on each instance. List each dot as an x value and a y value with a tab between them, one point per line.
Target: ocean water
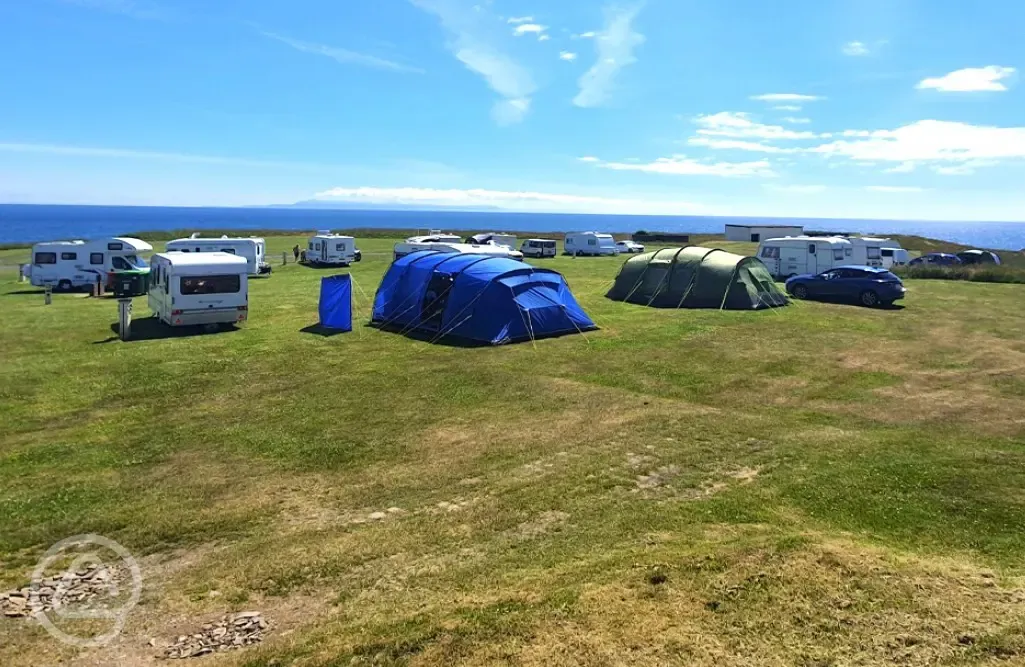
24	223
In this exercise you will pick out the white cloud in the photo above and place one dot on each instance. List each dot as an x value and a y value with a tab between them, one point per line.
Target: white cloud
588	158
786	97
516	20
894	188
969	80
929	141
740	125
587	35
543	38
787	107
855	49
568	56
530	29
681	165
795	120
615	46
343	56
902	168
513	200
795	189
965	169
738	144
472	45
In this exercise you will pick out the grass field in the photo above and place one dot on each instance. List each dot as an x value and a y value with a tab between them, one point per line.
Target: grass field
813	485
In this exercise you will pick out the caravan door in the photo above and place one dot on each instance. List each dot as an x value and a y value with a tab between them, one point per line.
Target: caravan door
324	250
813	258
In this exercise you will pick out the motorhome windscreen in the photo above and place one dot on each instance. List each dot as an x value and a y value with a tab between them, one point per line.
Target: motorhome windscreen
230	284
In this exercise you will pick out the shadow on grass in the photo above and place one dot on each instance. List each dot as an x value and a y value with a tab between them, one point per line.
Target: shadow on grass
325	267
321	330
24	291
455	341
151	328
848	302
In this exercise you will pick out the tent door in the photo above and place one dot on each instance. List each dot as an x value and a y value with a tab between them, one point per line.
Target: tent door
432	308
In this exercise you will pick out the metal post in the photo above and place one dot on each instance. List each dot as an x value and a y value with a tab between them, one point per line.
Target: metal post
48	294
22	272
284	258
124	312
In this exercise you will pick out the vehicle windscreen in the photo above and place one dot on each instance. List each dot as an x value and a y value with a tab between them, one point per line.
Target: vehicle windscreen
225	284
135	261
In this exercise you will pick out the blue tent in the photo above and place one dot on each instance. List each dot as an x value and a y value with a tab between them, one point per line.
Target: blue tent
336	302
476	297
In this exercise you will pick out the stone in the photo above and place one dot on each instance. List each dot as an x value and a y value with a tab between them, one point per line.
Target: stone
377	516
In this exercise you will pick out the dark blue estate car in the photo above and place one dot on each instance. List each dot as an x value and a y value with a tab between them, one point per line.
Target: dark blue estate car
867	285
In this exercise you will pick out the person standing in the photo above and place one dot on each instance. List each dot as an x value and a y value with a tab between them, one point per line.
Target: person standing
295	251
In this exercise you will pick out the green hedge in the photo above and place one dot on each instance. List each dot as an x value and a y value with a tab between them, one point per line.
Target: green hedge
980	274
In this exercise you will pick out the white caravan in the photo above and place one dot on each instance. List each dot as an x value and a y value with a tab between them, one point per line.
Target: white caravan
252	249
415	243
328	249
68	265
590	243
793	255
208	288
883	253
538	248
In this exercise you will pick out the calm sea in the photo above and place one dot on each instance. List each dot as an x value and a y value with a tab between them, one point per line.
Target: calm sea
22	223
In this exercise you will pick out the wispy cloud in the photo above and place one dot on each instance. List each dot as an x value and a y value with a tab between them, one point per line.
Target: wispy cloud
893	188
615	46
795	189
855	49
530	29
786	97
471	44
132	154
588	158
516	20
681	165
740	125
567	56
970	80
590	34
739	145
787	107
795	120
137	9
343	56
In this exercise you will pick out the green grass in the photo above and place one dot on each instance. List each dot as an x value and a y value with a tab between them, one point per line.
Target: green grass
819	484
973	273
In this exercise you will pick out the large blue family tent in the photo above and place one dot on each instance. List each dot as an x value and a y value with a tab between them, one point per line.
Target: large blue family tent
480	298
336	302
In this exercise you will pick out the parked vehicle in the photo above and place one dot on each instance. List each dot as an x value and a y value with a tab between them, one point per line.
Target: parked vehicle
68	265
539	248
416	243
589	243
867	285
629	247
209	288
794	255
871	251
978	257
253	249
328	249
936	259
508	240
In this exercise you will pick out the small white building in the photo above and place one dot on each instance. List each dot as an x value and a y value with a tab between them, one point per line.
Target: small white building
208	288
758	233
252	249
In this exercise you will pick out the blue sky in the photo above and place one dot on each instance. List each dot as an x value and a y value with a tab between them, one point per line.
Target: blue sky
838	108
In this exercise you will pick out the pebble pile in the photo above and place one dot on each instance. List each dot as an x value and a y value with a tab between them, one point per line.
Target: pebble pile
231	632
78	588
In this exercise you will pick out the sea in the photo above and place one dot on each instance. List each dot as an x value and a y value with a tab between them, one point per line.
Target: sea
24	223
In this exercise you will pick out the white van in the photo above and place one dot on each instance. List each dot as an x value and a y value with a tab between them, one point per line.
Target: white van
793	255
68	265
882	253
252	249
206	288
538	248
590	243
328	249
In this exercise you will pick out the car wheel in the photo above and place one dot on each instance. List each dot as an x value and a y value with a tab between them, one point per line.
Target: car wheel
799	292
64	286
869	298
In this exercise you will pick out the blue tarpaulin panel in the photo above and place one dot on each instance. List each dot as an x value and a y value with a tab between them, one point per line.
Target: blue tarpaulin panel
336	302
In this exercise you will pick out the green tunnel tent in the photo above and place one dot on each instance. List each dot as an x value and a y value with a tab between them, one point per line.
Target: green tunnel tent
695	277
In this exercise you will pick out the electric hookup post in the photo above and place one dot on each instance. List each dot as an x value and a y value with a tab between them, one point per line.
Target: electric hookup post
124	324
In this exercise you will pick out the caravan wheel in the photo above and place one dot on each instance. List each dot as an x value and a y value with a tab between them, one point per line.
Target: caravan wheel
64	286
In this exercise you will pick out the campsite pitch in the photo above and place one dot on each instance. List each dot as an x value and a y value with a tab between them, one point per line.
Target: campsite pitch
820	484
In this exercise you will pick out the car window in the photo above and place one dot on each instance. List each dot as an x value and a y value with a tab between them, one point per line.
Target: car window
828	275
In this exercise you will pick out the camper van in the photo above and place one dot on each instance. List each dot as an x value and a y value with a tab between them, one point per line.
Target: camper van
538	248
793	255
415	243
494	238
208	288
590	243
252	249
882	253
329	249
68	265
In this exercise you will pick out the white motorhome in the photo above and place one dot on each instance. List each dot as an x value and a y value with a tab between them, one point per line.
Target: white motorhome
328	249
882	253
590	243
539	248
68	265
252	249
494	238
208	288
416	243
793	255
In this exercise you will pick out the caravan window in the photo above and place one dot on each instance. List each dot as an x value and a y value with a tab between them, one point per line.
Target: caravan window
69	256
847	252
96	258
115	246
592	241
770	252
46	258
872	252
230	284
230	251
838	253
811	248
340	247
